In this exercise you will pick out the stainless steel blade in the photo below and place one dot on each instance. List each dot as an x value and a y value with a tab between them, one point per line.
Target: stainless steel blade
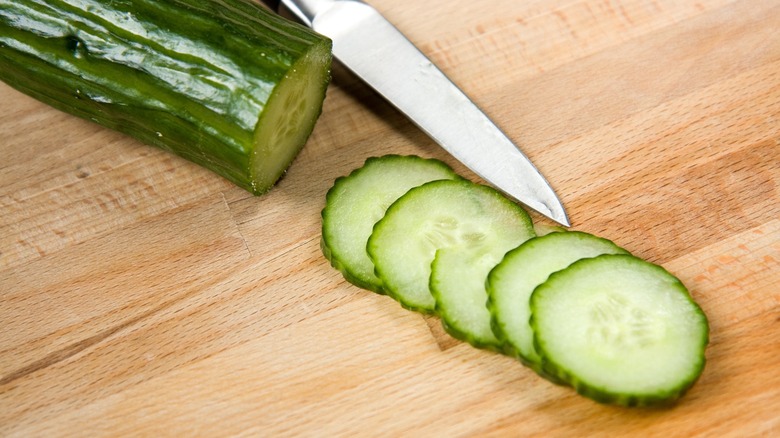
377	52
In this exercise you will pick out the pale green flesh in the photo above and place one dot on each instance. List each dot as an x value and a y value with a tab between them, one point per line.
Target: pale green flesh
356	202
513	280
458	283
436	215
288	119
618	326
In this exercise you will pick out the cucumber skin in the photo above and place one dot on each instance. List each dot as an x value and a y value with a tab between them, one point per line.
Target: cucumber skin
116	63
336	263
605	396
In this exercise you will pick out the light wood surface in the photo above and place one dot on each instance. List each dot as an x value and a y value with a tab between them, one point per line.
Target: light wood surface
142	295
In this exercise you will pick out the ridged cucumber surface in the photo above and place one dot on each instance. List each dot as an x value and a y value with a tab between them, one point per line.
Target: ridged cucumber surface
512	281
223	83
619	330
357	201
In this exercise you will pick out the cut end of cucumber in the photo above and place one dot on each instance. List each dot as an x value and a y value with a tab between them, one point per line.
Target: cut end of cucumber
289	117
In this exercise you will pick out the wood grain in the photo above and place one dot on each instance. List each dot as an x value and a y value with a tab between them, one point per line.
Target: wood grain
142	295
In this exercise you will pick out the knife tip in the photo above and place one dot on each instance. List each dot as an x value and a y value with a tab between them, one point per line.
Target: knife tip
552	210
560	217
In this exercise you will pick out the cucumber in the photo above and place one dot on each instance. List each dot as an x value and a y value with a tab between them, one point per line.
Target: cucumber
357	201
576	308
512	281
542	228
223	83
437	215
458	284
619	330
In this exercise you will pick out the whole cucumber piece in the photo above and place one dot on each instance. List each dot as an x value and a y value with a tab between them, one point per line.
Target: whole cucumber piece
223	83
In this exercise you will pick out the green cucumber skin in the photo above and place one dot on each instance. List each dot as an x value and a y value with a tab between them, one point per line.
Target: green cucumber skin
189	76
604	395
481	343
336	263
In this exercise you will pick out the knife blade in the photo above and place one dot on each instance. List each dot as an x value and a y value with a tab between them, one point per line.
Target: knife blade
379	54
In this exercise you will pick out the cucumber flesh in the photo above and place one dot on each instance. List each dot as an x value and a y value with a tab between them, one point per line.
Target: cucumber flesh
545	228
439	214
357	201
288	118
512	281
458	285
619	330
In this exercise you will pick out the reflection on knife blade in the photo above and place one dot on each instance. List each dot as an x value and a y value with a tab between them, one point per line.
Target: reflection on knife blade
397	70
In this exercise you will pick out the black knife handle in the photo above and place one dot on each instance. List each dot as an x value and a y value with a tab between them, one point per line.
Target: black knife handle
272	4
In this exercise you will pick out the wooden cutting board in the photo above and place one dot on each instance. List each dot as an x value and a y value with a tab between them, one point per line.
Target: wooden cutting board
142	295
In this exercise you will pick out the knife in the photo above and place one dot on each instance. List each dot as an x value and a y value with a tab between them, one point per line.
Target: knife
413	84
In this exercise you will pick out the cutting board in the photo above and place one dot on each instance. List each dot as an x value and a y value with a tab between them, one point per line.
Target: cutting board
143	295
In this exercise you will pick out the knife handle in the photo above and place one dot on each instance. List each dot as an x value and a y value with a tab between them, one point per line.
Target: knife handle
279	7
303	11
272	4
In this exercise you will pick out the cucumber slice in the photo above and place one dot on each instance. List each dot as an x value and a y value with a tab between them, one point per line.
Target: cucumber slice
357	201
458	285
512	281
543	228
619	330
437	215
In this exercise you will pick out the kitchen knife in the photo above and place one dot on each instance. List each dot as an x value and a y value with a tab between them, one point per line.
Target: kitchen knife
378	53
